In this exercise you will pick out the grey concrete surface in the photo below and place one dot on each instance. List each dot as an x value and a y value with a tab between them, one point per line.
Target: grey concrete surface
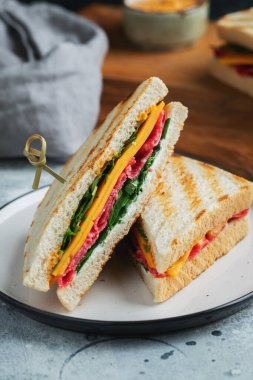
31	350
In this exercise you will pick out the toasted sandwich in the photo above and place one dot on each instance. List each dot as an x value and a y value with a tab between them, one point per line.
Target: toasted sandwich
233	61
108	182
195	216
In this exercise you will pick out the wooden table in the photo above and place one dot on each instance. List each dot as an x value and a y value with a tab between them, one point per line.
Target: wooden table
220	124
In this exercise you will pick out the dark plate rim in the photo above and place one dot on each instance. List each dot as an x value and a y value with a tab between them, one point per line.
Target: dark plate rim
68	322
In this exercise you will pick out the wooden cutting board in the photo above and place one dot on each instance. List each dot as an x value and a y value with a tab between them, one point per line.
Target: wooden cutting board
220	124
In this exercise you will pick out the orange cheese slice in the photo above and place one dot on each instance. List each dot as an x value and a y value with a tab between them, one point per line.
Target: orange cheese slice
236	59
149	256
162	6
106	188
175	268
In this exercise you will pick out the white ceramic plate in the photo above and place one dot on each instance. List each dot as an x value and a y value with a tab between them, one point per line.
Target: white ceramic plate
119	302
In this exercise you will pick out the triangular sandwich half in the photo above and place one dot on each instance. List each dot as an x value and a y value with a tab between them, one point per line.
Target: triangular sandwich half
233	60
108	182
195	216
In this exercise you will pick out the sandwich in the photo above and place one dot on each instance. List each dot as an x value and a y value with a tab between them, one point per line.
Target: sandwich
108	182
196	215
233	61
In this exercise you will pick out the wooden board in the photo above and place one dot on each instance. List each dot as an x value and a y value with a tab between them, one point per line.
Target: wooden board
220	124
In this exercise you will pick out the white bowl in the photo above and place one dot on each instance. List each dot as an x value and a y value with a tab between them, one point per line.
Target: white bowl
162	31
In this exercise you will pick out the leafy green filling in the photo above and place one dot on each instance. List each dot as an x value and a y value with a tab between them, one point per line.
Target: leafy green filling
88	198
146	244
126	196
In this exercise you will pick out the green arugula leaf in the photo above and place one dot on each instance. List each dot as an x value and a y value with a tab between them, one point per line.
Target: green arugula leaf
141	232
165	129
131	187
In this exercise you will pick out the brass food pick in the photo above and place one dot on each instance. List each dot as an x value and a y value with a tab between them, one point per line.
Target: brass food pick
38	159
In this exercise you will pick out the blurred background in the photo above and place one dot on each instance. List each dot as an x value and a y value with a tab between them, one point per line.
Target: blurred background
178	49
218	7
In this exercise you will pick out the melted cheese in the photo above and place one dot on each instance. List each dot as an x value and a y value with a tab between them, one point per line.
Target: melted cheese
163	6
175	268
105	190
236	59
148	254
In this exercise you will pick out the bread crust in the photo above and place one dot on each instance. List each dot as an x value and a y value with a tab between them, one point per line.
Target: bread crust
164	288
56	209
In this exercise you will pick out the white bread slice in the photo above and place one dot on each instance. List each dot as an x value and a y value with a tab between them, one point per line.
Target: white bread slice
229	75
72	294
193	199
164	288
237	28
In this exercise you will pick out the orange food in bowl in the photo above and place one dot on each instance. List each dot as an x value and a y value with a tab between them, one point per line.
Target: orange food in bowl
162	6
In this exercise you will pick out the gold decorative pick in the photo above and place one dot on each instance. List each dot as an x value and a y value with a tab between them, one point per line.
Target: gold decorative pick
38	159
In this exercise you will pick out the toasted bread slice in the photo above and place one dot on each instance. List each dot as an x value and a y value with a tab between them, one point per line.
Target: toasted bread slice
72	294
237	28
229	75
193	198
164	288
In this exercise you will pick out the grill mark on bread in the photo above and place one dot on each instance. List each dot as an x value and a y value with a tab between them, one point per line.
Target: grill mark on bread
188	183
202	212
223	198
93	150
163	200
244	187
208	172
174	242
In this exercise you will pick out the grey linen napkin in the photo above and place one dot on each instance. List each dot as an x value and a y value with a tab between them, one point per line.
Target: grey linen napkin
50	77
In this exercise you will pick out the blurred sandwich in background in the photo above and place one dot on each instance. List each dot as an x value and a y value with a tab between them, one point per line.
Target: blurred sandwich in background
233	61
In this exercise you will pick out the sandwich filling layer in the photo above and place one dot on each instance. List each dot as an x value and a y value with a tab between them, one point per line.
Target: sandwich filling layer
238	57
106	201
142	253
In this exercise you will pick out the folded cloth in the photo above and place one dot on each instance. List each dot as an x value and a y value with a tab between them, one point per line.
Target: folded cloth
50	77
